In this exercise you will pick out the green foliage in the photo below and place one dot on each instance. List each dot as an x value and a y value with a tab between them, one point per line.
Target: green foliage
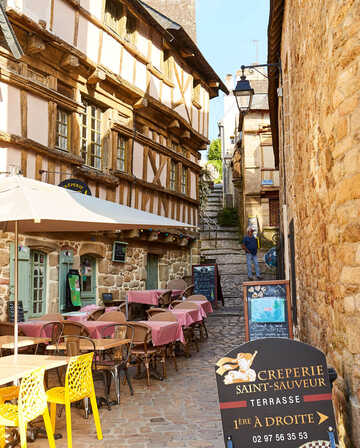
214	152
228	217
217	164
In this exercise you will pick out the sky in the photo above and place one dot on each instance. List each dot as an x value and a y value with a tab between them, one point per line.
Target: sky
225	31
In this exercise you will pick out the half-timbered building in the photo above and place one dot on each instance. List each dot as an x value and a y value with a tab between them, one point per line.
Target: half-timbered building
115	95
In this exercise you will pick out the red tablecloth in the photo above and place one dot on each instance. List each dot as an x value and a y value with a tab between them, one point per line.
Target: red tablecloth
33	328
149	296
80	316
95	328
204	304
163	332
188	317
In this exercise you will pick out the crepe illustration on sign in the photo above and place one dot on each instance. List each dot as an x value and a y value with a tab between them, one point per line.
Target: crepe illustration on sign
317	444
237	370
268	309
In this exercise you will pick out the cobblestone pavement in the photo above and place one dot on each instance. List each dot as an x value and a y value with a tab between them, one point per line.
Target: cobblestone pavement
181	411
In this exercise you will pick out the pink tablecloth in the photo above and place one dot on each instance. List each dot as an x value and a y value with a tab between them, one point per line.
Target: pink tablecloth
163	333
33	328
81	316
204	304
149	296
96	328
188	317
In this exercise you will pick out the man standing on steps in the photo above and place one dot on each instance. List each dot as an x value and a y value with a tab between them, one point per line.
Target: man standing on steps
250	246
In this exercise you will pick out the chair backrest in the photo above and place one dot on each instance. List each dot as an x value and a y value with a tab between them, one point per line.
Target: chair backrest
152	311
32	397
94	315
73	344
142	333
165	298
78	380
55	329
189	290
168	316
196	298
186	306
176	302
177	283
74	328
113	316
50	316
120	331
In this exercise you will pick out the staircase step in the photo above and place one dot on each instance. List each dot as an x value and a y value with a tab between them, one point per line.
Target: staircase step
220	244
212	235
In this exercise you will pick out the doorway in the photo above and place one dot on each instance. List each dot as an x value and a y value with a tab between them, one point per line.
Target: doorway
152	270
88	279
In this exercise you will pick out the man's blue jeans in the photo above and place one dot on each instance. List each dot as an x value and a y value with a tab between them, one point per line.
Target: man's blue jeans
252	258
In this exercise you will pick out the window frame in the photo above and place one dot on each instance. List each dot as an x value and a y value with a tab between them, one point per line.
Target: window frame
122	151
67	124
34	290
184	180
173	176
91	145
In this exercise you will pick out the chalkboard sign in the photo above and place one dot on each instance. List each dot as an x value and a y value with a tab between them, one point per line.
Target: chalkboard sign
275	393
119	251
267	310
205	281
11	311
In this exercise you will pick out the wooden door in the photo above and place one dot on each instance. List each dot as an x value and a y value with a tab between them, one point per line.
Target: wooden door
152	271
88	279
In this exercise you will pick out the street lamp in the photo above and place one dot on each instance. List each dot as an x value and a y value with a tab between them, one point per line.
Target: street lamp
243	93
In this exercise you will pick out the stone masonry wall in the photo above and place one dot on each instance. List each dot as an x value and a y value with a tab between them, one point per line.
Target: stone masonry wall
321	69
116	278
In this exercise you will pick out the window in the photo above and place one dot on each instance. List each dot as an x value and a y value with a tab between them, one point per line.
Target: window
196	91
113	15
62	129
88	279
172	180
184	176
121	153
130	28
38	283
167	65
91	145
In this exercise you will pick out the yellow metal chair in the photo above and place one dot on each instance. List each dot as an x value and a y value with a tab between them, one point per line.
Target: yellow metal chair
31	404
8	393
78	385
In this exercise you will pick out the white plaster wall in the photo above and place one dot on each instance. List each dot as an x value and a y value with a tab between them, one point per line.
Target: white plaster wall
155	87
139	200
88	39
127	66
110	54
102	192
64	21
150	172
140	79
156	56
195	118
192	185
93	6
10	109
37	119
36	10
182	111
31	165
142	43
163	176
138	160
166	95
156	203
13	158
126	194
3	159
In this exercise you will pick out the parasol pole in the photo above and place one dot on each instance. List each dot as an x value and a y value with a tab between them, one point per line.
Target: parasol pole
16	289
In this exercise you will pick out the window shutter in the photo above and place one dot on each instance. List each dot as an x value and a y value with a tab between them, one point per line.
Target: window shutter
23	276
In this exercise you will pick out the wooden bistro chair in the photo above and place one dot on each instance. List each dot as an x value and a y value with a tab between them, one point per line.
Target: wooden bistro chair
119	359
152	311
188	290
71	328
31	404
94	315
50	317
196	298
143	351
176	283
79	384
7	329
165	299
113	316
167	316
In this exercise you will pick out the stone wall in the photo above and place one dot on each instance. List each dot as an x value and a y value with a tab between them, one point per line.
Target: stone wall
181	11
321	70
113	277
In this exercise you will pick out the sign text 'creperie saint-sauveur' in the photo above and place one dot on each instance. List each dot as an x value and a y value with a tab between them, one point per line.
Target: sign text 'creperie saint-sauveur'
275	392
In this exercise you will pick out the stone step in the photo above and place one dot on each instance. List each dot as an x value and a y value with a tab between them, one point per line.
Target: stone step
211	235
217	199
212	208
220	244
220	228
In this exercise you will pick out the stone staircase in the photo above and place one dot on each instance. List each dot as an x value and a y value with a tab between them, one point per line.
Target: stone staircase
222	245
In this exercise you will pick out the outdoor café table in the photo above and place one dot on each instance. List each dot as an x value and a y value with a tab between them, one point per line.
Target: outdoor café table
7	342
204	304
95	328
76	316
33	328
100	344
163	332
15	367
149	296
187	317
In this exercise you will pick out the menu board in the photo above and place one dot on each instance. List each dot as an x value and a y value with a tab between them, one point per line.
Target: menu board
11	311
275	392
267	310
205	281
119	251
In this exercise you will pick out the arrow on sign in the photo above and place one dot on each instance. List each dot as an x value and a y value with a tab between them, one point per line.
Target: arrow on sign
323	417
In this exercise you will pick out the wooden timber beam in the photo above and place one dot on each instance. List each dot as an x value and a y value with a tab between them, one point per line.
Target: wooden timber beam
70	62
174	124
142	103
96	76
187	53
35	45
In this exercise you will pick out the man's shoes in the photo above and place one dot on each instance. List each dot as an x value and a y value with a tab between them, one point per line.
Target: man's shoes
259	277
